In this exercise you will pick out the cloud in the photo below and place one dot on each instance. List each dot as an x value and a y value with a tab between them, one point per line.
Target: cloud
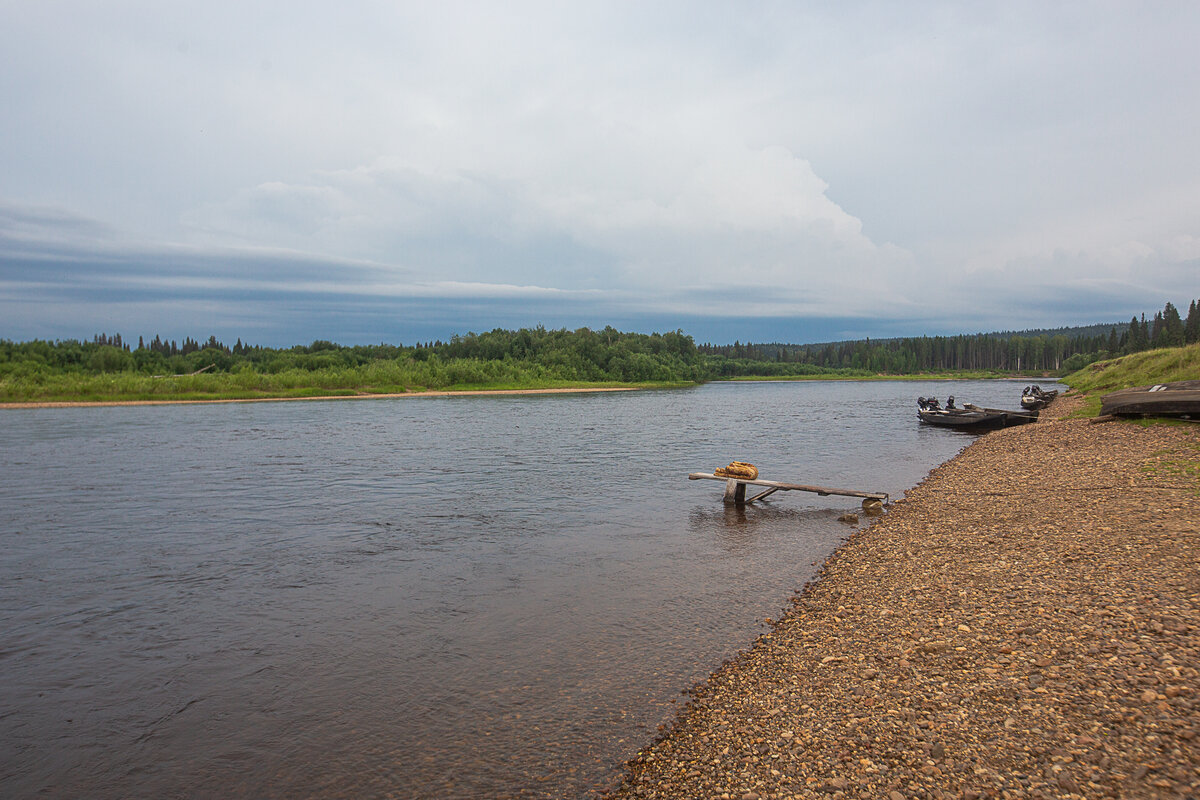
52	283
664	230
873	165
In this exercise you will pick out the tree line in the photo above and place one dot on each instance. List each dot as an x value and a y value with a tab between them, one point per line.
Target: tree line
608	355
529	354
1064	350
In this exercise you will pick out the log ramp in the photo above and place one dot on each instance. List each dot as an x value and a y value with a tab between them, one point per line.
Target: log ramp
735	490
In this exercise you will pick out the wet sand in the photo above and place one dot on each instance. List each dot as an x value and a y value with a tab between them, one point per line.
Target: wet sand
1025	623
166	402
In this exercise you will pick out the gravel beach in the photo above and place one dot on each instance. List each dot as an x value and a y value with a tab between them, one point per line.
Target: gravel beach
1025	623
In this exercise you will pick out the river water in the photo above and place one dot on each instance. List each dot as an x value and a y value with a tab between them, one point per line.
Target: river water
448	597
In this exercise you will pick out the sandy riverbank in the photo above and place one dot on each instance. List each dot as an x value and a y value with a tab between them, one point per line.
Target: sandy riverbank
167	402
1025	623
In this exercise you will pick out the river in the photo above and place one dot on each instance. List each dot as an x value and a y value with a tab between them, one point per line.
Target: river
450	597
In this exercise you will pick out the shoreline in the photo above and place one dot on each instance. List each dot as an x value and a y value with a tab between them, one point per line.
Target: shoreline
468	392
439	393
1024	623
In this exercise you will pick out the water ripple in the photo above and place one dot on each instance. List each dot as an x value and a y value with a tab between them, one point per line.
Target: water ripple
435	597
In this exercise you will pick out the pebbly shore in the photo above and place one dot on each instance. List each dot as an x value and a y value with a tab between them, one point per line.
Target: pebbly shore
1024	623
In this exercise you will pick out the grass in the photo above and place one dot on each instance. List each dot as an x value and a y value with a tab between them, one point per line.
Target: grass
246	384
124	387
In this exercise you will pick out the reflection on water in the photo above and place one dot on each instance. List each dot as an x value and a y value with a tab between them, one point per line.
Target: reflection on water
742	523
440	597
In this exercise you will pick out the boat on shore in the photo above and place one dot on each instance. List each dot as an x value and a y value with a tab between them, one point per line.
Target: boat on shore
1034	398
970	417
1177	399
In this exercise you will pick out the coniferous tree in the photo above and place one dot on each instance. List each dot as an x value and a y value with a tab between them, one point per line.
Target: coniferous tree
1137	339
1172	327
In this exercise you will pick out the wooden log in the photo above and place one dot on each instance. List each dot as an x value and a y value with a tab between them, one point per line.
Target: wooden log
735	491
792	487
761	495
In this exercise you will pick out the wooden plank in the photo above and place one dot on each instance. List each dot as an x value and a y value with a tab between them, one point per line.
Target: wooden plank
791	487
763	494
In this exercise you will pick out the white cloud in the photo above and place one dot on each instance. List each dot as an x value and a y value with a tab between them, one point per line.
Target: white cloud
735	217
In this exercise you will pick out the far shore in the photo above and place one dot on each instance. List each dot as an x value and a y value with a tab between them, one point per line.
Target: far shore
921	376
480	392
167	402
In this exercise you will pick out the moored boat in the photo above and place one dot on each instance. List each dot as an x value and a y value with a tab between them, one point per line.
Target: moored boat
1034	397
970	417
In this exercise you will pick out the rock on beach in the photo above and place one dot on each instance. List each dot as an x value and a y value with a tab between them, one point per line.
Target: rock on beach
1024	623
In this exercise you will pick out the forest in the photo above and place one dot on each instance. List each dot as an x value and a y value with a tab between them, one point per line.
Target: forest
1061	351
109	366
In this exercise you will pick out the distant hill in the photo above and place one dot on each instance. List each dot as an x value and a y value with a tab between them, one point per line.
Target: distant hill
1041	349
1076	332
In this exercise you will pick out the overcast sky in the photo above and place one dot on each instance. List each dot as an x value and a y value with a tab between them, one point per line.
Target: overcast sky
362	172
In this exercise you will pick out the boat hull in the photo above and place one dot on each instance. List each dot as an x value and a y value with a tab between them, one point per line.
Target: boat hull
1034	398
1178	399
976	418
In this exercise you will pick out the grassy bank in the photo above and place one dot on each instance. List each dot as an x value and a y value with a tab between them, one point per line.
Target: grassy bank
37	377
377	379
41	372
110	370
1137	369
247	385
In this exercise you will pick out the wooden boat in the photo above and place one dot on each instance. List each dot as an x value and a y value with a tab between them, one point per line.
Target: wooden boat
1177	399
970	417
1033	397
